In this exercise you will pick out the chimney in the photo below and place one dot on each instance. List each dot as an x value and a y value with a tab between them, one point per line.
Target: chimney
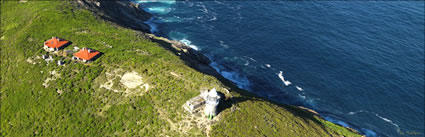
89	50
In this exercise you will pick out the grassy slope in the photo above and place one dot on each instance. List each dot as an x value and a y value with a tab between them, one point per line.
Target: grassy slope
27	108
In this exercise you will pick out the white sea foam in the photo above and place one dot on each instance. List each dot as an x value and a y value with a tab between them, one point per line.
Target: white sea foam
172	19
218	2
168	1
370	132
213	18
299	88
339	122
189	43
204	9
302	96
239	80
159	1
355	112
152	25
367	132
246	63
158	10
268	65
389	121
253	59
286	82
223	45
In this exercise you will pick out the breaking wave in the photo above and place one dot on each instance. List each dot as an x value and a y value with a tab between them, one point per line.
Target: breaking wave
367	132
160	7
389	121
152	25
380	117
159	10
299	88
223	45
355	112
158	1
286	82
189	43
241	81
172	19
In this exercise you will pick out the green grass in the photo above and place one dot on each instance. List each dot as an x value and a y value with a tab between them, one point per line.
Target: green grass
84	109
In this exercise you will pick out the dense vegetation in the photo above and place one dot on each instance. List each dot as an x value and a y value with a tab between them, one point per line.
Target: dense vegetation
73	104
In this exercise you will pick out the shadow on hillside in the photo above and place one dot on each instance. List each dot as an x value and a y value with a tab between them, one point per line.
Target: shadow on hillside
97	56
227	104
64	46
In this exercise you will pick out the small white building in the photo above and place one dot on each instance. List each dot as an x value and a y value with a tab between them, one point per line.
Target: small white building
208	99
211	102
193	104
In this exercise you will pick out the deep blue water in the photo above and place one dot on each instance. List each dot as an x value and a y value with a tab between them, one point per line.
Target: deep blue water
360	64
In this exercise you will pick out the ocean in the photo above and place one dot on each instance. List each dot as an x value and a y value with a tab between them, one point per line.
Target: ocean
360	64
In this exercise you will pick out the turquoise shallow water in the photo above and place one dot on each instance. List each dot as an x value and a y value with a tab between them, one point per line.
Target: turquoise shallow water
360	64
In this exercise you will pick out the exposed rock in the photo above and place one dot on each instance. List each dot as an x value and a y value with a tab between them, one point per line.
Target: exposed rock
29	60
192	57
309	110
53	76
175	74
129	83
131	80
123	13
59	91
128	14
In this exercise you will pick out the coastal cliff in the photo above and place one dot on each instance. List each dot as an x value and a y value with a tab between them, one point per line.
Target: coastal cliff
124	13
128	14
192	57
136	88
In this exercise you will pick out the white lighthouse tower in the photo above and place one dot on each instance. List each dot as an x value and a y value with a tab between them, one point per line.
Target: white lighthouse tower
211	102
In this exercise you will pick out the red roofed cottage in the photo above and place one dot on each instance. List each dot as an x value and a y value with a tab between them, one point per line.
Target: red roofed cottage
86	55
55	44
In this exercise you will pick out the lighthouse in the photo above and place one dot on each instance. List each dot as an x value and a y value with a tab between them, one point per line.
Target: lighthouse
211	103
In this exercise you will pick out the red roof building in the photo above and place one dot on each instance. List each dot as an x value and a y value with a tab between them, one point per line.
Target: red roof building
86	55
55	44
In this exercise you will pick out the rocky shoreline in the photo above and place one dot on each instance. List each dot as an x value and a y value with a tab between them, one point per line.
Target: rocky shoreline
128	14
126	9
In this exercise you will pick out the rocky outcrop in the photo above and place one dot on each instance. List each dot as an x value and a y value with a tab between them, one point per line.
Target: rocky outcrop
128	14
123	13
192	57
